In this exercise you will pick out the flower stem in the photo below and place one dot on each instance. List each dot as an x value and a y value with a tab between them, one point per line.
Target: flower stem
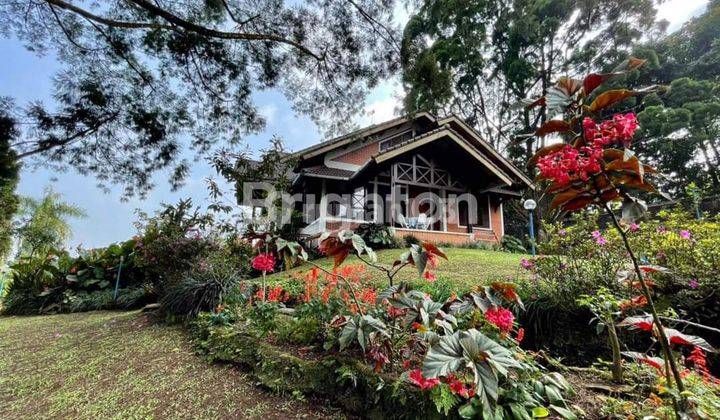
664	343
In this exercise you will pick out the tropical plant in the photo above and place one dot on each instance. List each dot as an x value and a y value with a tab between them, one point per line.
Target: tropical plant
587	168
200	290
44	224
377	235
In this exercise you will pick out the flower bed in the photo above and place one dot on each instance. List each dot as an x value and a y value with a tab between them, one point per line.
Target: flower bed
391	351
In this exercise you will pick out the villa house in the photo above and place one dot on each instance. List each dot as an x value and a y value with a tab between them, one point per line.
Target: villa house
434	178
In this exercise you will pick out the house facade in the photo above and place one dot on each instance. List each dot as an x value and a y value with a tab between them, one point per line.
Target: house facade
433	178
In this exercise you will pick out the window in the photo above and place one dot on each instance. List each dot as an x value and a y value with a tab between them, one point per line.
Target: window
395	140
358	203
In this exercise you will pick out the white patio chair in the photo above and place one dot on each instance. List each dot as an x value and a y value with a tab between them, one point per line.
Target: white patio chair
430	223
422	222
401	221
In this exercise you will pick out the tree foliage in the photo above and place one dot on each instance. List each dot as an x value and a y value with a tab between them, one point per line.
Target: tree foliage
682	127
480	59
8	178
142	82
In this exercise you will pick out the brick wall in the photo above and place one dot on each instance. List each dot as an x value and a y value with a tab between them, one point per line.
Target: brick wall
359	156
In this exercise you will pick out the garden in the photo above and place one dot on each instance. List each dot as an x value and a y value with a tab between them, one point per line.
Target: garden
615	318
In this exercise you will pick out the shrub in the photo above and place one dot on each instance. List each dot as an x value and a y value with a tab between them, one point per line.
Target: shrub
301	331
377	235
512	244
198	291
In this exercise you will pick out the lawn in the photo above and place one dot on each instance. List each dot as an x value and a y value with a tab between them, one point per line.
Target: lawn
465	268
123	365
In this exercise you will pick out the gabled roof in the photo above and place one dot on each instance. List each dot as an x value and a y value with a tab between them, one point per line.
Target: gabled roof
343	140
450	127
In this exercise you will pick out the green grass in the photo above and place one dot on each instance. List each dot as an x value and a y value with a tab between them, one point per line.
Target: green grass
122	365
464	269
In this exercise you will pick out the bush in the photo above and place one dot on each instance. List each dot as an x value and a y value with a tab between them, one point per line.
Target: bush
377	236
57	282
301	331
199	291
513	245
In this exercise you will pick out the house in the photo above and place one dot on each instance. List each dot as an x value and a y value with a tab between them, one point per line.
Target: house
434	178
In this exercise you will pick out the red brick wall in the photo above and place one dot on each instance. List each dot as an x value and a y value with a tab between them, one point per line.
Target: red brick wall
434	236
359	156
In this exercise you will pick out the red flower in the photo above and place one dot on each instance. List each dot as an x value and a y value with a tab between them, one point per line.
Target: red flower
276	294
636	302
457	387
368	295
520	335
264	262
417	379
429	276
501	318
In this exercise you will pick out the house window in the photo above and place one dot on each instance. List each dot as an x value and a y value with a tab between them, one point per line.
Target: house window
358	203
395	140
483	213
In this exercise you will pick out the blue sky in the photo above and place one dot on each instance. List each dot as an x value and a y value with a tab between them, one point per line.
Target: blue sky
27	77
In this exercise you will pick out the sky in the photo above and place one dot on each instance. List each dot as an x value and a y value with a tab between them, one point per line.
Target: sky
27	77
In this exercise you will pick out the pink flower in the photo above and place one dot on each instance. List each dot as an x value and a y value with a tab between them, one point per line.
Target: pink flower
661	229
634	227
693	283
685	234
562	232
501	318
264	262
416	377
527	264
599	239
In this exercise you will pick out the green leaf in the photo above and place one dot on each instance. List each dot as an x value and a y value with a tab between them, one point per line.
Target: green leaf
554	395
519	412
540	412
468	411
564	412
443	358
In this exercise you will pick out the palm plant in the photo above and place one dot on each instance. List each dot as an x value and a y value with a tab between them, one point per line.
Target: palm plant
44	224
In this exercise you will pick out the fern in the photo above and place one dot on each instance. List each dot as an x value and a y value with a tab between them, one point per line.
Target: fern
443	398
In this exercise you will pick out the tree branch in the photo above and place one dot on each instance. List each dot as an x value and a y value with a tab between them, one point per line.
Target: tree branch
213	33
178	22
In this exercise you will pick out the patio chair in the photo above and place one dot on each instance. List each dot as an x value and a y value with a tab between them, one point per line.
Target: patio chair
401	221
422	222
430	223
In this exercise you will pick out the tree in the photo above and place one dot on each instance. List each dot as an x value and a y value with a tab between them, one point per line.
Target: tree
145	81
480	59
682	126
8	178
44	223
